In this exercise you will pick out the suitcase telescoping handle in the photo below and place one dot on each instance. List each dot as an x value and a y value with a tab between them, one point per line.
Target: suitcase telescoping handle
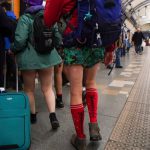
3	89
5	74
17	79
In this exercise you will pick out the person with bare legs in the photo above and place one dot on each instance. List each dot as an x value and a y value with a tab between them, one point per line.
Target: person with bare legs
77	57
31	62
75	75
58	85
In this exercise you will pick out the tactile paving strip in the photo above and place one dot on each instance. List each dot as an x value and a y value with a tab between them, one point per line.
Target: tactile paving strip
132	130
143	81
139	96
137	107
143	84
112	145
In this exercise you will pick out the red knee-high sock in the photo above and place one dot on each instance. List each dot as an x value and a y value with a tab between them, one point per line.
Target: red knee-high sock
77	112
92	103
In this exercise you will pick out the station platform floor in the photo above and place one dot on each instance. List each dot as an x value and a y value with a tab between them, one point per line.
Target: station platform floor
123	114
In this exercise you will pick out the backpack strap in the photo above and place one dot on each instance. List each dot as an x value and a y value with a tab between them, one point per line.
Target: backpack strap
31	16
69	14
30	38
67	17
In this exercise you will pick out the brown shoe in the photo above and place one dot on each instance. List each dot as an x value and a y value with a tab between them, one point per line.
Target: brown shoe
94	132
79	144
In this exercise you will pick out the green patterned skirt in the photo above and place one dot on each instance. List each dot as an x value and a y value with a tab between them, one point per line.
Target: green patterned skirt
86	57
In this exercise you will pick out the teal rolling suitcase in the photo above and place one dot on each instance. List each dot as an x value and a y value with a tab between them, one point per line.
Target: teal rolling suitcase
14	118
14	121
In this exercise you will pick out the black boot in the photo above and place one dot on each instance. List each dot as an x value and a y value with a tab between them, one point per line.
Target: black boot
54	121
33	118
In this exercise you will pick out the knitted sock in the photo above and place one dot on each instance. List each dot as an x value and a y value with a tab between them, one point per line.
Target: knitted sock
92	103
77	112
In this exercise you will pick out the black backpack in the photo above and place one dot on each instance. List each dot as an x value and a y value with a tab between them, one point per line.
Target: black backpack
42	35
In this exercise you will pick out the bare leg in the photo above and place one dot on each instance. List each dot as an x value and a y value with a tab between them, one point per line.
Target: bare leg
29	87
91	76
75	74
45	76
58	78
92	102
58	85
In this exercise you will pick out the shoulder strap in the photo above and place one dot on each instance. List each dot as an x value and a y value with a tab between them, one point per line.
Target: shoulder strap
67	17
31	16
30	37
69	14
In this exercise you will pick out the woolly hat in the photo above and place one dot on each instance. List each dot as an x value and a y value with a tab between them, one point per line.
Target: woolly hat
33	2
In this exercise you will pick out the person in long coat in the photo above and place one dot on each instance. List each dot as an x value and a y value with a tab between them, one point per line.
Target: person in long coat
31	63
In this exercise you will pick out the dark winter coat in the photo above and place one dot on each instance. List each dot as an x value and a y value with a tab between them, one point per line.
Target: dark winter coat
137	38
12	16
6	27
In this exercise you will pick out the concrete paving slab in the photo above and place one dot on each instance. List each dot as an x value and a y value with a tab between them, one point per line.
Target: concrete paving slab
111	105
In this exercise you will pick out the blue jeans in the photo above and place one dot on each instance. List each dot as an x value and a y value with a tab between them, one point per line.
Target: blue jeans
118	55
138	48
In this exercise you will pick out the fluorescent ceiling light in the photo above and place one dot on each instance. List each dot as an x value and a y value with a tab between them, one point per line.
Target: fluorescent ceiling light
143	17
